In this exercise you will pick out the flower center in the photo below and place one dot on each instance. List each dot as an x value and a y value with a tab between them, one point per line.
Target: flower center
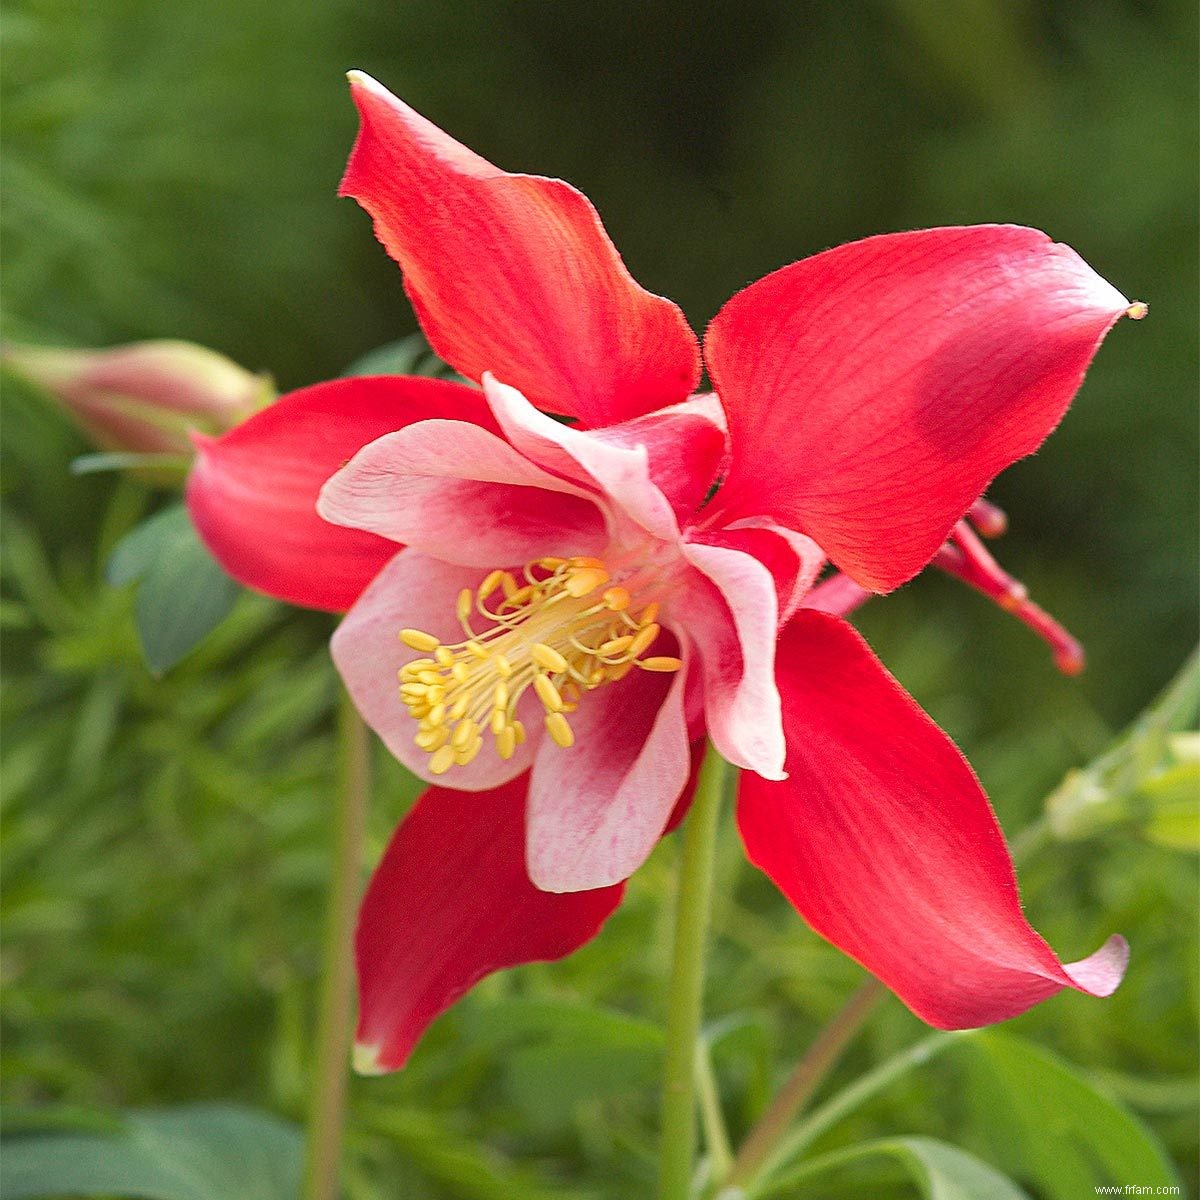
564	629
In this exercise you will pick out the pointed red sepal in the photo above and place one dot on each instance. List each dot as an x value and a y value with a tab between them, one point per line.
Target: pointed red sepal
450	903
514	274
253	492
885	843
873	391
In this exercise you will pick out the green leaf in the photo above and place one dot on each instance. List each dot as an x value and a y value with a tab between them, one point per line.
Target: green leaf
1049	1125
559	1055
183	594
408	356
127	460
941	1171
201	1152
1172	800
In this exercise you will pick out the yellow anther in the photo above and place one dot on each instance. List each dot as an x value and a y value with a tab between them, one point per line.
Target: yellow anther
551	564
415	639
649	613
518	728
643	638
558	729
463	734
444	656
500	695
617	599
436	694
465	605
467	753
1137	310
437	714
476	649
584	561
428	677
419	710
413	689
616	646
520	596
585	580
413	669
547	693
620	670
460	707
499	721
506	742
432	739
489	585
662	663
442	760
503	665
461	672
548	657
510	585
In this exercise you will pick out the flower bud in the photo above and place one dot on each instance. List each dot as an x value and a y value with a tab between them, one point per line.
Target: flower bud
144	397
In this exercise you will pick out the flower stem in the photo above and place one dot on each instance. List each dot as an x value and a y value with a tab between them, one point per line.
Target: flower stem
800	1085
693	904
327	1105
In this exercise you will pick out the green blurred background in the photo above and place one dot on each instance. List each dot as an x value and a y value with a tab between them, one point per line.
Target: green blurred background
169	170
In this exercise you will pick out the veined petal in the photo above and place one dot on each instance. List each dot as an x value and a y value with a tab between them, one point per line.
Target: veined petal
450	903
415	592
884	841
620	472
597	809
253	493
461	494
514	273
874	390
730	610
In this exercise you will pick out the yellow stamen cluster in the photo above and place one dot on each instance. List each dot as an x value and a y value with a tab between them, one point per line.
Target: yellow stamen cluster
562	629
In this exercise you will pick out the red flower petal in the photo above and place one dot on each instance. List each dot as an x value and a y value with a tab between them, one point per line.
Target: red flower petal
884	841
874	390
514	274
253	493
449	904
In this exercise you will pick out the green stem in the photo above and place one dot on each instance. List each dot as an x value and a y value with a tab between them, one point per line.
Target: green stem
857	1094
800	1085
693	904
712	1120
327	1106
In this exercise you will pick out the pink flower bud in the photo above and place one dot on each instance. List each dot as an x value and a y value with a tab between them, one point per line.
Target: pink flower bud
144	397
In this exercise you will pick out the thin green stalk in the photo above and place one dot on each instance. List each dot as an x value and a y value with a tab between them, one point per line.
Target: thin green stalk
693	904
804	1080
857	1094
327	1106
716	1136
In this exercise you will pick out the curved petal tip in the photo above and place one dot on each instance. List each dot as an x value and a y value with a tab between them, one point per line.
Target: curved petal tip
1100	974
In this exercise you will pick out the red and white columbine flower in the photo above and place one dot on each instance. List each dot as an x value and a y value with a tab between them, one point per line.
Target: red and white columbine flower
569	606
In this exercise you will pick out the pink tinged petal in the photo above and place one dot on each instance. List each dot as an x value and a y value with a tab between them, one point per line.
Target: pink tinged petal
252	493
793	559
450	903
620	473
874	390
461	494
597	809
730	610
416	592
838	595
687	446
514	273
886	844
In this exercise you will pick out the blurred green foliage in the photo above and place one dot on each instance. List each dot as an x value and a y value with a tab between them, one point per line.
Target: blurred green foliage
169	170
